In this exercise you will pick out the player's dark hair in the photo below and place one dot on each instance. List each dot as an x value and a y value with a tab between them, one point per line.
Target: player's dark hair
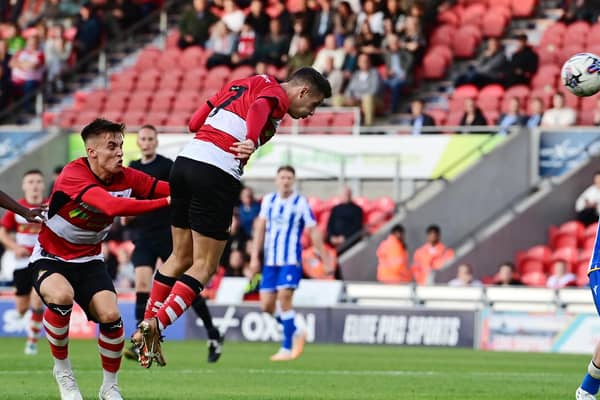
313	78
433	229
287	168
99	126
397	228
151	127
34	171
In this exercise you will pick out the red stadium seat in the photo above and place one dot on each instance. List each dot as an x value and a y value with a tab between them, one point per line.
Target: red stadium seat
454	118
465	91
241	72
161	102
375	220
529	266
488	103
442	51
443	35
438	115
585	118
548	55
519	91
116	103
589	103
494	24
343	120
473	14
138	102
491	116
319	120
574	228
134	118
219	73
385	204
172	39
178	119
448	17
169	59
364	204
591	230
566	52
570	255
464	44
494	90
84	118
542	80
156	118
523	8
147	58
116	116
536	279
434	66
191	58
538	253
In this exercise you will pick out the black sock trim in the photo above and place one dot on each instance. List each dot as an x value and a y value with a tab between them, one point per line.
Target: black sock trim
111	326
167	280
61	309
594	364
192	283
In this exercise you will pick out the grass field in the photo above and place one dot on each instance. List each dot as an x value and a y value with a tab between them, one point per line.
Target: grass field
324	372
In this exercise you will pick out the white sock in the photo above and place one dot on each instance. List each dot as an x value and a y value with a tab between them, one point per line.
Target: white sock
62	364
109	378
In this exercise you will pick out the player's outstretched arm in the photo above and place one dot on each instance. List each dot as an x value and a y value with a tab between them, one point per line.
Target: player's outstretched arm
118	206
162	189
33	215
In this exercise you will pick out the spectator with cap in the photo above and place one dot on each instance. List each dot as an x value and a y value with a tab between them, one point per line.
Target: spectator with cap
392	258
432	256
464	277
560	115
523	63
345	222
195	25
419	119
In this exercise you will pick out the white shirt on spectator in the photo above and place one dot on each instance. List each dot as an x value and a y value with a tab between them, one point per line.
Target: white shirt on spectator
35	74
234	20
323	55
589	195
559	117
375	22
459	283
558	282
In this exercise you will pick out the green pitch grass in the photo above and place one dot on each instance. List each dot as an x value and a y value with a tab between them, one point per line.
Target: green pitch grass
324	372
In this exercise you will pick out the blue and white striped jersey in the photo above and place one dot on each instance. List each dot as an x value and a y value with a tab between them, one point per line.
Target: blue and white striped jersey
286	220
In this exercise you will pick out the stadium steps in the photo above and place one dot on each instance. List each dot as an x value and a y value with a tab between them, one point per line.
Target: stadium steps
523	224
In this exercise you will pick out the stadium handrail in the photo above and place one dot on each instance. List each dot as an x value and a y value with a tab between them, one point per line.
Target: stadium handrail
99	53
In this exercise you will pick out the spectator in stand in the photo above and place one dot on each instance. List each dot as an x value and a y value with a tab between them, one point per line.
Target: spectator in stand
257	18
473	116
596	118
285	18
56	53
512	117
31	12
582	10
396	63
334	76
27	70
413	41
489	67
89	31
394	16
432	256
350	58
323	24
246	47
537	113
304	57
273	48
506	275
299	32
345	222
238	240
419	119
236	264
368	42
363	89
523	63
344	22
5	74
221	43
560	277
329	50
15	41
372	16
248	210
392	258
559	115
464	277
195	25
587	205
120	15
232	16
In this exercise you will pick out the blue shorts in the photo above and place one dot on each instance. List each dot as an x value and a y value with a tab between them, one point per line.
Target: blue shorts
594	273
284	277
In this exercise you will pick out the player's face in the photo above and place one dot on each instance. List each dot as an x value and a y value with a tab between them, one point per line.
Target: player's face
304	104
285	181
107	151
147	141
33	186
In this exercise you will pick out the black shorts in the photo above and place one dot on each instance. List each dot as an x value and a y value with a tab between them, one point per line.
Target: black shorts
23	281
149	249
87	279
202	198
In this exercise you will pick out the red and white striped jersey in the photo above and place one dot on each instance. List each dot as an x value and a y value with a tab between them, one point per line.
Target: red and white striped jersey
226	123
26	233
74	230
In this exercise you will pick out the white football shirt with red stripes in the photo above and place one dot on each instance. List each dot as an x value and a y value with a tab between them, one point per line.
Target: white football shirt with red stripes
26	233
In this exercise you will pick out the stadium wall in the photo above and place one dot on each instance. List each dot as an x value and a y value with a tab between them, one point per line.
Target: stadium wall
459	206
47	153
526	224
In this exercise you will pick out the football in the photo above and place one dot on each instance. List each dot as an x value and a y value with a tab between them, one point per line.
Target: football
581	74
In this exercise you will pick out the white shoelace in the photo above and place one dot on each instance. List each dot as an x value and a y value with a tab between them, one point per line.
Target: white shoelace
67	380
111	392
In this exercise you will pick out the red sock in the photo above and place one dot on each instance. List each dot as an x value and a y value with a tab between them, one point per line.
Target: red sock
181	297
161	287
111	341
35	325
56	324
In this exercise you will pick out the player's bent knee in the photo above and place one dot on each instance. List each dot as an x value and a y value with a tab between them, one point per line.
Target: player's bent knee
59	297
106	316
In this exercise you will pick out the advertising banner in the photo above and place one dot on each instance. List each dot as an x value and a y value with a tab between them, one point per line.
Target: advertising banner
14	144
355	325
539	332
561	151
318	156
